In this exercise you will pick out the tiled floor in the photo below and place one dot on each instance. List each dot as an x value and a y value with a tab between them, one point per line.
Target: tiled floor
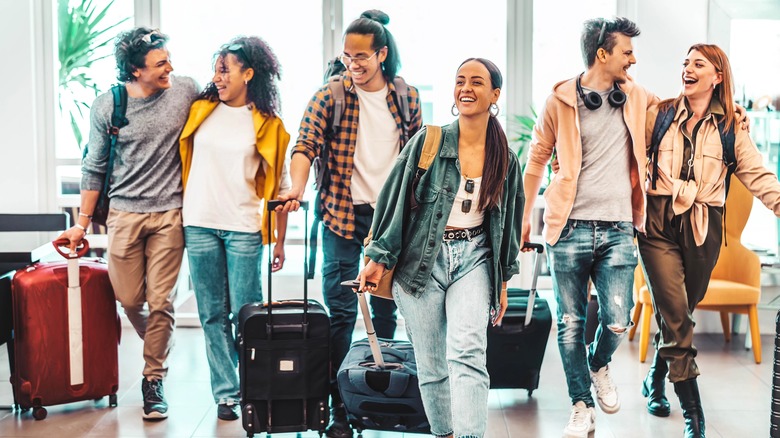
735	392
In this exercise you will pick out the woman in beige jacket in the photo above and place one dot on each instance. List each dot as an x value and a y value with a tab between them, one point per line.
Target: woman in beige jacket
685	197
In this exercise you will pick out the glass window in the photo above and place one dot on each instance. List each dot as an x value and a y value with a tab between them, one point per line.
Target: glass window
556	47
759	90
459	31
83	75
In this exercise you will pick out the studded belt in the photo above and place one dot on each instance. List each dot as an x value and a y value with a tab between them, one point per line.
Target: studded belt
463	234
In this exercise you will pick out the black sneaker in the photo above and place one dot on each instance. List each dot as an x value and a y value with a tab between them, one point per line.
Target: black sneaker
227	412
155	407
339	426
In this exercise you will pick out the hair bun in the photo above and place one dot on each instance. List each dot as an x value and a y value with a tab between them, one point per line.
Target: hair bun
376	15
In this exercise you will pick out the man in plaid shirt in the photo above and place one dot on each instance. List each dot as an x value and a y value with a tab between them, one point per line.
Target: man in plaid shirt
361	155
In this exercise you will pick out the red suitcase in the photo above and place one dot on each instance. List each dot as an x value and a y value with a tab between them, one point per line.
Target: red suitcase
66	333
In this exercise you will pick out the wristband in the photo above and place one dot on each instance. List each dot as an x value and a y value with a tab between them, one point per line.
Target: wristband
80	227
85	215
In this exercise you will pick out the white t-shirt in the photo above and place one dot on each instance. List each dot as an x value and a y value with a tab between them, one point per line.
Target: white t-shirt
378	144
221	191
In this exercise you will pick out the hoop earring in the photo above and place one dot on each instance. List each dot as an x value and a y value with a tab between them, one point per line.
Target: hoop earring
493	106
454	110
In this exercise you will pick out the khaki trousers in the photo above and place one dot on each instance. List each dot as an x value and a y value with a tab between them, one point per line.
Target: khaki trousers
678	273
144	256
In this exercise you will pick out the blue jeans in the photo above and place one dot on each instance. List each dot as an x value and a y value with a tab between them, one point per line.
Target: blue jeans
451	359
341	260
604	252
225	272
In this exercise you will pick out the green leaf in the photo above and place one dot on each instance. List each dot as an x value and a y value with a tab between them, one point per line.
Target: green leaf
82	33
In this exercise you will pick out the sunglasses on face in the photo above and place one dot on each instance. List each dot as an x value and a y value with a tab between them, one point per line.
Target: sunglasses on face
469	188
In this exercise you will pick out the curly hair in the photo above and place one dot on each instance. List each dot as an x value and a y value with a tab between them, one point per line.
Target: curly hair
373	22
262	90
131	48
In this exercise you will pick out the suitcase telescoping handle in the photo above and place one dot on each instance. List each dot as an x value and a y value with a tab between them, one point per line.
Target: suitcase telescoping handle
81	251
271	205
372	340
538	249
75	325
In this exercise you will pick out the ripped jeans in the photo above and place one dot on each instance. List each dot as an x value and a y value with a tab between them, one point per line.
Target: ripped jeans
604	252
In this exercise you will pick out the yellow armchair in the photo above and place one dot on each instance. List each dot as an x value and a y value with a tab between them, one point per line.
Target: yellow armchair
735	285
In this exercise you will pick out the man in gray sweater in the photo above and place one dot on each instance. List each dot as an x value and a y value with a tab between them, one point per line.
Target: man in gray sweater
145	242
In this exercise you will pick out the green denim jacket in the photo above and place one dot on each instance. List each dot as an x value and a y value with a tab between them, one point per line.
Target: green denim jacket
410	240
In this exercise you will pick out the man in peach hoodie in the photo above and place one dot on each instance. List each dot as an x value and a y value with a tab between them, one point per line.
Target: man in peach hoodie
594	124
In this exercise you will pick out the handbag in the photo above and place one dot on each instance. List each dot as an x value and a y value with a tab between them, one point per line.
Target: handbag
430	149
118	120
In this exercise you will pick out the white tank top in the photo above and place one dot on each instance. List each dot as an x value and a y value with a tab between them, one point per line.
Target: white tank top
474	217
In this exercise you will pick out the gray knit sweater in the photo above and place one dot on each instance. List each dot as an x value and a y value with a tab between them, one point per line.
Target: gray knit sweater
146	176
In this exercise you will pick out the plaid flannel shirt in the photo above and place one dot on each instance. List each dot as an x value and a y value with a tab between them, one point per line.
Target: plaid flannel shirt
337	209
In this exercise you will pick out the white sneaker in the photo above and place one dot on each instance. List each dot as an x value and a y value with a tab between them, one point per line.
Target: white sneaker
606	391
581	422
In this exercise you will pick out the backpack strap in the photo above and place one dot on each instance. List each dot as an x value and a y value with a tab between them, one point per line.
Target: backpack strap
430	147
662	123
429	151
336	86
402	92
118	121
727	139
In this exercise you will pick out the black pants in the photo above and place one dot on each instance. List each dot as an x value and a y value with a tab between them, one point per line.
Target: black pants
678	273
342	262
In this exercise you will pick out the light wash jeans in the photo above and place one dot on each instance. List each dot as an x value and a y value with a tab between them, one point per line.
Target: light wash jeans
225	272
606	253
451	358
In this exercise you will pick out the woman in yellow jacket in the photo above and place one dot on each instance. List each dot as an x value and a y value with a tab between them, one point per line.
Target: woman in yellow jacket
233	151
685	216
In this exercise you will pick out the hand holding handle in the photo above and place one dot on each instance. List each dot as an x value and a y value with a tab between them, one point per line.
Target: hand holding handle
64	243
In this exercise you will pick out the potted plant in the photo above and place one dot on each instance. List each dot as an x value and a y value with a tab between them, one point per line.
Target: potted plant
523	127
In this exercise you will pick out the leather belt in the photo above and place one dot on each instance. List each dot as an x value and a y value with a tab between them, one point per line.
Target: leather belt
463	234
363	209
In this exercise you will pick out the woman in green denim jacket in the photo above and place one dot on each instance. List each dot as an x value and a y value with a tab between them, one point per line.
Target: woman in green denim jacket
454	252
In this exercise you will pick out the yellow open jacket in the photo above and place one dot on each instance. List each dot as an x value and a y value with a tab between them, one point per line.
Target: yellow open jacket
272	141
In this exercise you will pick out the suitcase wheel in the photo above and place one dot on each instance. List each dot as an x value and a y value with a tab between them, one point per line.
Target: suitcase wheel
112	400
39	413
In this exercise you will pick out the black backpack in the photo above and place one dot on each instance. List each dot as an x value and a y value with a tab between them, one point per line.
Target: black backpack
662	123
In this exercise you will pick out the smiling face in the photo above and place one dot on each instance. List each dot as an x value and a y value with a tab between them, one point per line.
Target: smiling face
230	79
155	75
474	93
366	73
699	75
620	60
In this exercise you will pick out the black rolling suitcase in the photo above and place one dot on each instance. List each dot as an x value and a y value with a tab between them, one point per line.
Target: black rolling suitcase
284	351
516	348
378	383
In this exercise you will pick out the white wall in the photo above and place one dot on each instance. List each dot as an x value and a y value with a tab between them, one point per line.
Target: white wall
669	28
19	182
